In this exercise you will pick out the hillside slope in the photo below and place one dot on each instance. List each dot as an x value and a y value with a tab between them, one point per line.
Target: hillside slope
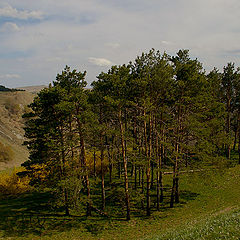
12	106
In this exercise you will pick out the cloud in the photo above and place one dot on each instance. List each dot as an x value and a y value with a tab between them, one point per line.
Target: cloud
102	62
9	76
54	59
166	42
11	12
9	27
115	30
113	45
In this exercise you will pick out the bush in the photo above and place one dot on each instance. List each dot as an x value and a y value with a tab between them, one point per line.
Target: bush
11	184
12	107
6	153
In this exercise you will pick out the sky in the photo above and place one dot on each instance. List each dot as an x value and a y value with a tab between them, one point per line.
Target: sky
39	38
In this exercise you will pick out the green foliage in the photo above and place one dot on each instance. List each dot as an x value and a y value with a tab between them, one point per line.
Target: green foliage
5	89
73	186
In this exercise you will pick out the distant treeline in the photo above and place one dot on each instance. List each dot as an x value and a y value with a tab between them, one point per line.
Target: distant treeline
5	89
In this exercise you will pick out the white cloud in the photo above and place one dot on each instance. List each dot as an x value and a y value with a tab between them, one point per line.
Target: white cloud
113	45
166	42
9	76
100	61
9	27
9	11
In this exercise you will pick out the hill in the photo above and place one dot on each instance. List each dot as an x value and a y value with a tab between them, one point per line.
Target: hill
32	89
12	105
5	89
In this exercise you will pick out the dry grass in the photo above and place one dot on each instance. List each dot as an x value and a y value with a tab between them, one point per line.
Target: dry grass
12	106
33	89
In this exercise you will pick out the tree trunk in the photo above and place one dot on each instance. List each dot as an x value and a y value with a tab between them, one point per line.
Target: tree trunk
119	170
163	152
119	166
228	150
176	160
89	205
66	202
238	148
158	156
94	163
102	158
152	178
110	158
132	169
177	188
159	175
71	137
139	176
174	192
161	186
235	136
102	173
148	192
124	164
135	177
158	191
148	163
173	189
66	205
84	165
148	155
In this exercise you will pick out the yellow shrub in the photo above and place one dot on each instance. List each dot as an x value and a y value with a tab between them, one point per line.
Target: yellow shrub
90	162
40	172
11	184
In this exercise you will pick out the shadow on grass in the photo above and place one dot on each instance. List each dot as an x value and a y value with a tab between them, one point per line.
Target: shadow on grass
188	195
28	214
26	203
31	214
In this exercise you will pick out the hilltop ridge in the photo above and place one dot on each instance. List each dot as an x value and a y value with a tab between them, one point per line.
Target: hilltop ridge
33	89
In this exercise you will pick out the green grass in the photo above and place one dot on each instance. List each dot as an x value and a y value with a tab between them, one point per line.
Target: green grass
209	209
223	226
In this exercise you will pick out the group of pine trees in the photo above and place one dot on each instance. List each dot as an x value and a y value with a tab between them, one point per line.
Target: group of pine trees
158	112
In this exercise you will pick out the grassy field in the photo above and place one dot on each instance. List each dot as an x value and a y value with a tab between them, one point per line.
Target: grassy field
224	225
209	209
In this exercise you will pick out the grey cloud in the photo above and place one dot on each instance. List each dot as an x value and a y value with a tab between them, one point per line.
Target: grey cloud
7	76
9	27
9	11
